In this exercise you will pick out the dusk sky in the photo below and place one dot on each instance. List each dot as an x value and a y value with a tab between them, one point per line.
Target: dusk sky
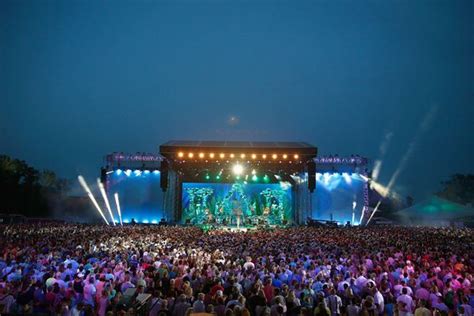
80	79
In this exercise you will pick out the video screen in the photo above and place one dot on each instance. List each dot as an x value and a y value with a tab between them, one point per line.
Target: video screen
237	203
338	197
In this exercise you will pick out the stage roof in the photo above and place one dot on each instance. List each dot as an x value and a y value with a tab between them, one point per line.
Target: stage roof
300	148
236	144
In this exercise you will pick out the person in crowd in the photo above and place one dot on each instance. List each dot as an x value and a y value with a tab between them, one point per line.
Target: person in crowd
79	269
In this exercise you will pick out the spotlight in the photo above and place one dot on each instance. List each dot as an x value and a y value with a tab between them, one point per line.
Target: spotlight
106	199
154	221
285	156
347	177
242	156
264	156
326	178
91	196
156	172
218	177
137	172
207	176
118	171
222	156
211	155
254	156
201	155
254	178
296	156
232	155
190	155
237	169
145	221
254	172
274	156
128	172
180	154
146	172
116	196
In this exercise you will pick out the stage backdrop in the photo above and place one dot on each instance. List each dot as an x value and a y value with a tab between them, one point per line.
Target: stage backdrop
140	195
227	203
336	196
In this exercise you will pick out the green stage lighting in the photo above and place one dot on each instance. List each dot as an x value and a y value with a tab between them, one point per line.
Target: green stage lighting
218	177
207	177
254	178
265	178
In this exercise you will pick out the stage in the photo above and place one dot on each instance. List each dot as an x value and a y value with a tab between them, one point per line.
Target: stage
237	185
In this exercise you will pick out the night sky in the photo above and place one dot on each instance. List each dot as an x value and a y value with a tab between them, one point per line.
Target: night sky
79	79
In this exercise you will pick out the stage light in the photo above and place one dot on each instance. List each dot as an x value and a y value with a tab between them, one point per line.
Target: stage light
265	178
116	196
254	178
190	155
254	171
264	156
285	156
242	156
347	177
128	172
180	154
232	155
274	156
145	221
126	221
222	155
237	169
296	156
201	155
318	176
327	176
207	177
211	155
156	172
254	156
154	221
91	196
118	171
106	199
218	177
137	172
146	172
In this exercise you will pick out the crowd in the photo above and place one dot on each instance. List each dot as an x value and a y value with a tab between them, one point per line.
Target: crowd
69	269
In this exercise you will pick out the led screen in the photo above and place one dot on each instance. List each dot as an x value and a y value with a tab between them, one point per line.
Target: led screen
237	203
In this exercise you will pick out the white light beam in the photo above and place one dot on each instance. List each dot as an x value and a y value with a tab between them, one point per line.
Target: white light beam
116	196
106	199
91	196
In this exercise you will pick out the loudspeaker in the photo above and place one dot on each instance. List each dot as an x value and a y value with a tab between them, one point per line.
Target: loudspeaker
164	175
103	176
311	165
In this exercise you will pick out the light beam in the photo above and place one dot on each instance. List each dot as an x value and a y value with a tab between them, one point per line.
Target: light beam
116	196
91	196
106	200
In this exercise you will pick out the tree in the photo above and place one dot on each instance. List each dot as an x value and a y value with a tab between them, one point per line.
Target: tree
458	188
27	191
